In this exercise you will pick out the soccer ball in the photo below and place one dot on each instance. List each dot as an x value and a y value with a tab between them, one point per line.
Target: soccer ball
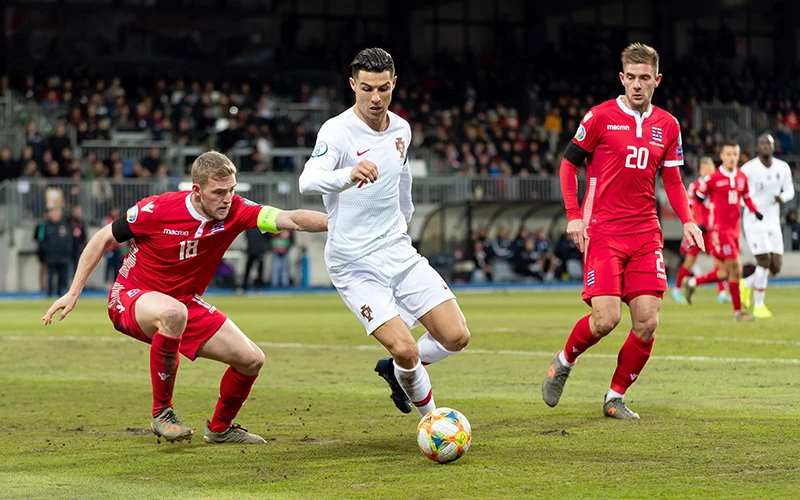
443	435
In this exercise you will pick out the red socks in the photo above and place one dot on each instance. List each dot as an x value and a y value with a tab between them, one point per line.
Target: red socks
579	340
735	297
233	391
164	363
630	362
682	273
708	278
720	286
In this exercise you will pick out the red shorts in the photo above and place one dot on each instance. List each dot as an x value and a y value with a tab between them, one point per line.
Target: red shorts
203	322
726	244
694	250
624	266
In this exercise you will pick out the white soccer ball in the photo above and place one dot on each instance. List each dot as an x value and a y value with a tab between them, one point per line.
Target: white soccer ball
444	435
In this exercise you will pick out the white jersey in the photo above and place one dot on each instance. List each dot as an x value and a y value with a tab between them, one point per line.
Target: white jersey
362	218
764	185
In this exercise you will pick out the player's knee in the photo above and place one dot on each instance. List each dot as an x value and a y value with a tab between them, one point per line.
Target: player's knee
252	363
605	323
405	353
458	341
173	319
646	328
775	267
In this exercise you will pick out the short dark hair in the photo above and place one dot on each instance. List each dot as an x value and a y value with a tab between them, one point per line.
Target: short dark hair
373	60
730	143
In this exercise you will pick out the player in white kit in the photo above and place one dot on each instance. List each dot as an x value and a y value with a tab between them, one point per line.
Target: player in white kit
360	167
770	182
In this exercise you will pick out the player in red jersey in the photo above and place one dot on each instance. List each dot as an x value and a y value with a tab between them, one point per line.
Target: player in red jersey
178	240
726	189
700	213
625	141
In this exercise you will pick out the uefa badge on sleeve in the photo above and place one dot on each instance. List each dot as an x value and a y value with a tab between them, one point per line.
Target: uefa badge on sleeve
581	133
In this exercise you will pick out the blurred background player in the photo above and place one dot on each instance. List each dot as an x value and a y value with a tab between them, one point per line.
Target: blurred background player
726	189
770	182
700	212
625	142
178	242
360	166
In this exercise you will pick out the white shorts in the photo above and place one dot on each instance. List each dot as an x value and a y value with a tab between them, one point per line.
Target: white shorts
763	239
395	280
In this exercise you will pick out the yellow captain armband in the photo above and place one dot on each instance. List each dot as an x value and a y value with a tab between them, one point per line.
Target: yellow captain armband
268	218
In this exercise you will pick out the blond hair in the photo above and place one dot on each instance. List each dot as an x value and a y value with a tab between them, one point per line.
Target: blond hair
639	53
707	159
211	165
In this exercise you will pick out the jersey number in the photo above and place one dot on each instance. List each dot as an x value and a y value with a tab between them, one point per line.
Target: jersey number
638	158
733	197
188	249
660	262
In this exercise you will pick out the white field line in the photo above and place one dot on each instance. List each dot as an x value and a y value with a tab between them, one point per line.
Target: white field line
489	352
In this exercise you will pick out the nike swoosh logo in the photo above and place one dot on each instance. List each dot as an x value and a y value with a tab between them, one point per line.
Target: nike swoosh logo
359	153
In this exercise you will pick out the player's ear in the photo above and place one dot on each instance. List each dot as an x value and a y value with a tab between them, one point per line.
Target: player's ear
658	79
622	78
352	84
394	82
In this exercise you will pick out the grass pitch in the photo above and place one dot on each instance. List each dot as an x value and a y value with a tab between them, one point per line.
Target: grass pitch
718	402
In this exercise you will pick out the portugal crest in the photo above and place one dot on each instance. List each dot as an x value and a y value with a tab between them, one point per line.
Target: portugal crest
401	147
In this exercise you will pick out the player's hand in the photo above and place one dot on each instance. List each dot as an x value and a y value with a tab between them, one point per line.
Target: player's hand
693	235
576	230
759	216
67	303
364	171
778	198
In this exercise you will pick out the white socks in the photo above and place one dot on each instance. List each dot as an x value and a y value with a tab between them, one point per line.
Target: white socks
760	278
612	394
431	351
563	359
417	385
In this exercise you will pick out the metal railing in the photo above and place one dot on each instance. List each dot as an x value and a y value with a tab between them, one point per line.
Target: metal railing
728	119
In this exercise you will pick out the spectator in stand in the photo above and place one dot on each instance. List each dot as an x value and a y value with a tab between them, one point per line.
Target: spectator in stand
794	229
281	244
59	141
113	254
34	141
152	161
78	227
55	239
502	246
570	259
256	248
8	168
483	270
544	250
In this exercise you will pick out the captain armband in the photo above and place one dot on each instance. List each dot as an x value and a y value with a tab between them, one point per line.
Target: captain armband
575	154
268	219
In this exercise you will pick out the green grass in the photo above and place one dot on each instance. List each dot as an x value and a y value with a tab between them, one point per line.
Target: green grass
75	399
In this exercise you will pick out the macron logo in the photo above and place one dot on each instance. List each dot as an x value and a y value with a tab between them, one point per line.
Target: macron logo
175	232
163	376
618	127
148	208
633	376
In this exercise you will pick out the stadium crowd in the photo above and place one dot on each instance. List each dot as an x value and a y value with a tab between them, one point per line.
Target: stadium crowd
483	119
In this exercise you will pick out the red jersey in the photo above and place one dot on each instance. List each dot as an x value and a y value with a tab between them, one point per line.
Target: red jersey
700	210
626	149
175	250
726	192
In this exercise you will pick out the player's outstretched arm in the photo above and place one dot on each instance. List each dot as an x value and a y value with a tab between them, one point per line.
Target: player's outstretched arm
89	259
309	221
275	220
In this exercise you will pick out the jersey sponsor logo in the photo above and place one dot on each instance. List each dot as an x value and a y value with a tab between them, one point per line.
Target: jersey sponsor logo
658	134
132	214
320	149
401	147
617	127
366	311
133	293
250	203
587	117
149	207
581	133
359	153
741	183
219	226
175	232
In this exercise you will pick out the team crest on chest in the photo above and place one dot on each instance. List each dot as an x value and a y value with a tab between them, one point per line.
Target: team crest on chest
401	147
